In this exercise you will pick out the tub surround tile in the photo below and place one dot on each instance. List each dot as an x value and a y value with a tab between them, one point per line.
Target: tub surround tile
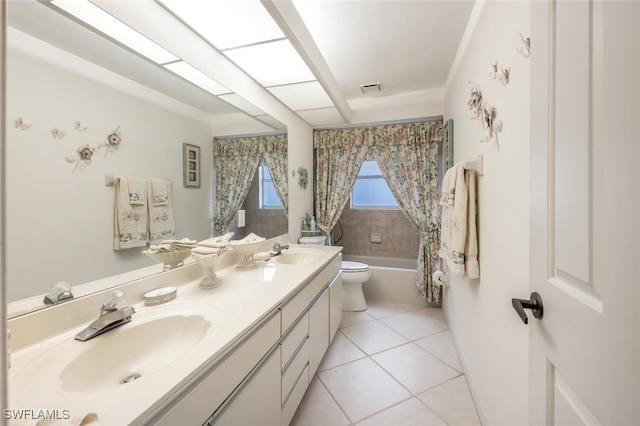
411	412
442	347
452	401
414	368
413	325
318	408
372	337
362	388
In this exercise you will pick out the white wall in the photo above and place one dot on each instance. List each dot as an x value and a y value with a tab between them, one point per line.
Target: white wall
59	223
492	340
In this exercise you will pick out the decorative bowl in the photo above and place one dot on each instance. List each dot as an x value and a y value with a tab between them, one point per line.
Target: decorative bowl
209	262
170	259
246	247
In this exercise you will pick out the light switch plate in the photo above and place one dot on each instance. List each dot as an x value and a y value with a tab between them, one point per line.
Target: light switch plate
375	237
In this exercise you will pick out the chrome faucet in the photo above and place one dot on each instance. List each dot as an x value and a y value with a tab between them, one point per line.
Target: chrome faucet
111	316
277	248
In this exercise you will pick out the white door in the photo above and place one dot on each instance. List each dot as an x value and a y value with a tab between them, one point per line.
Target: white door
585	212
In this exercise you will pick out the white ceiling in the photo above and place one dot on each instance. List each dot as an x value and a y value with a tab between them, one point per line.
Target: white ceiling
406	46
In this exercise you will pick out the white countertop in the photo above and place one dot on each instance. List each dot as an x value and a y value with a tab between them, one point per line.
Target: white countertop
243	299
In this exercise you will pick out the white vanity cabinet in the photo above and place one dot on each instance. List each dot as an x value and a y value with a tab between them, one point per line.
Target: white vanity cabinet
261	379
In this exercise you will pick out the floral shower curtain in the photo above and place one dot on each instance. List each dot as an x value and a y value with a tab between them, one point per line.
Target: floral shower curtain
339	155
274	152
408	158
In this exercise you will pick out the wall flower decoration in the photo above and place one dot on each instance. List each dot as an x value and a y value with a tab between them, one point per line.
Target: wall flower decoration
112	142
21	124
80	127
57	133
525	47
489	122
475	101
82	157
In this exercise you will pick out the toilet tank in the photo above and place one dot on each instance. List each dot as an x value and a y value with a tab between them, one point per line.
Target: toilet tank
317	240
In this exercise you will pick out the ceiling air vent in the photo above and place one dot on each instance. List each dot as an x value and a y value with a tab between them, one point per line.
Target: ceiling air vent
370	88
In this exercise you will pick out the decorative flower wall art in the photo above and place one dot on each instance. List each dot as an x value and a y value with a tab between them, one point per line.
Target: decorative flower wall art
525	47
57	133
475	101
486	112
79	127
501	74
20	124
84	153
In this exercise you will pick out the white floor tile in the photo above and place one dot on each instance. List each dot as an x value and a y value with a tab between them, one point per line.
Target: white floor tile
341	351
408	413
452	401
372	337
413	325
351	318
434	315
318	408
441	346
362	388
384	308
415	368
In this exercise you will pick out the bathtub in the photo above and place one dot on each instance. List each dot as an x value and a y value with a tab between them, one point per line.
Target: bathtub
391	279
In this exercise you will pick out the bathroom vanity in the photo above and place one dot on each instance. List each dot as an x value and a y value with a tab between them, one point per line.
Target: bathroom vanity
242	353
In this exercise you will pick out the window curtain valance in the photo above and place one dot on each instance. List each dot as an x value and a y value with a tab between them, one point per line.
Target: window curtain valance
236	161
408	158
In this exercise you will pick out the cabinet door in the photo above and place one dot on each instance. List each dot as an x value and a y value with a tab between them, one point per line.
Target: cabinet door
318	331
256	401
335	305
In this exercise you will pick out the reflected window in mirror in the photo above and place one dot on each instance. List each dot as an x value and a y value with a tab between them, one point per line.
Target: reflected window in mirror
268	196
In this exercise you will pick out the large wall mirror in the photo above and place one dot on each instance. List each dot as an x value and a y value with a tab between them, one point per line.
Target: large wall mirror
69	88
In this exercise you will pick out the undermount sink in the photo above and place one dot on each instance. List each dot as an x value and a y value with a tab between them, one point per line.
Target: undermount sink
155	338
298	256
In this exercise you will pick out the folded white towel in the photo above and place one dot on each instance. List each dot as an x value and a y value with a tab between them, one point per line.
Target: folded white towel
161	219
206	250
160	189
130	221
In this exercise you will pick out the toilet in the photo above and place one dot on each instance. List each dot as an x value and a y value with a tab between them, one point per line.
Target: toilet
354	274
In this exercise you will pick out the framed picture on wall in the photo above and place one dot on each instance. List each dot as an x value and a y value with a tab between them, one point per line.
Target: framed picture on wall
191	165
447	147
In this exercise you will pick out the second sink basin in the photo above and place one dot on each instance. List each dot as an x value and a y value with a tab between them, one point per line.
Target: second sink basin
155	338
297	256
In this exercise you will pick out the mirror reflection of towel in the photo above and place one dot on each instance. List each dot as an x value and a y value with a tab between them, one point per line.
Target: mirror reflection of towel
130	222
137	191
160	189
161	219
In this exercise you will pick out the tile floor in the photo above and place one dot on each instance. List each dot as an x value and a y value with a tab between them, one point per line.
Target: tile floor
394	364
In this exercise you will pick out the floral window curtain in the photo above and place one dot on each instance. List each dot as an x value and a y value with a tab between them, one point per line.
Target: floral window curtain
274	152
408	158
236	161
339	155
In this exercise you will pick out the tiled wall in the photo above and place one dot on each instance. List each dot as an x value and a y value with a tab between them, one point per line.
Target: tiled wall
266	223
399	237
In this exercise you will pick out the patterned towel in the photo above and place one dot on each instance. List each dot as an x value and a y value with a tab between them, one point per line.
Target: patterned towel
130	221
161	219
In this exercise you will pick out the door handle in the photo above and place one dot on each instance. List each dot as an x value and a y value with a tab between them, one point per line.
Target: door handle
535	304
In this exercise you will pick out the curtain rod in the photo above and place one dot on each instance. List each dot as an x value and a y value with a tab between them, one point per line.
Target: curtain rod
252	135
383	123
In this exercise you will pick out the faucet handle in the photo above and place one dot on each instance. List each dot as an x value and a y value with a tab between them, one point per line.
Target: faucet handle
114	300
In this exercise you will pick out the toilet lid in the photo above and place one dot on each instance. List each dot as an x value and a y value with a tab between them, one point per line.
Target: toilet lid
349	266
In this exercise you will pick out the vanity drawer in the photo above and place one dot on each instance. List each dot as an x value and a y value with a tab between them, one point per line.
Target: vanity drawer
290	375
294	338
297	304
199	401
291	405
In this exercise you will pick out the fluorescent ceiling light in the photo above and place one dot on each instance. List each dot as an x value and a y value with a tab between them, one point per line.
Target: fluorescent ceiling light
272	63
227	23
242	104
117	30
197	77
308	95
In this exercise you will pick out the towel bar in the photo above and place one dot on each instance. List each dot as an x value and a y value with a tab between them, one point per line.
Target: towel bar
475	165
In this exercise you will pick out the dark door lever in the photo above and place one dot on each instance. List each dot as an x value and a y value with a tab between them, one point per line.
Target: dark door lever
535	304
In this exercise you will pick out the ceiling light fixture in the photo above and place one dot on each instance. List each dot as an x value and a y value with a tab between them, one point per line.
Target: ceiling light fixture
370	88
114	28
197	77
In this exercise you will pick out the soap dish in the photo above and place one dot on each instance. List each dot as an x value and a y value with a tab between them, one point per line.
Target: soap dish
161	295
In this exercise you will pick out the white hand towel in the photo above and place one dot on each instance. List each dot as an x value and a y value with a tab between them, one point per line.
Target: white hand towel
160	189
137	191
130	221
161	219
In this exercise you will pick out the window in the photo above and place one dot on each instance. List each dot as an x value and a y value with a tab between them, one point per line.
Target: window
371	190
268	196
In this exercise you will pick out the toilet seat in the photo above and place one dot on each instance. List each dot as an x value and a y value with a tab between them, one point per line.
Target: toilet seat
348	266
